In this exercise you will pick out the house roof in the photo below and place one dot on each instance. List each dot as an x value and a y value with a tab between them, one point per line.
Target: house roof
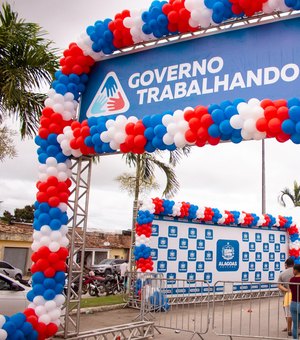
94	239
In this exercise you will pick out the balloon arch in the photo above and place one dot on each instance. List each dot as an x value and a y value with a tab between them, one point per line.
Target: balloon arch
61	136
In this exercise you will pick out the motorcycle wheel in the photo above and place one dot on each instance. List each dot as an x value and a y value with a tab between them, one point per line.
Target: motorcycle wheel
92	291
118	289
84	289
102	290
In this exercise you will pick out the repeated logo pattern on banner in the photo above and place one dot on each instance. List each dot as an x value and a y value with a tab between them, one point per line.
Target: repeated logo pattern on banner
186	250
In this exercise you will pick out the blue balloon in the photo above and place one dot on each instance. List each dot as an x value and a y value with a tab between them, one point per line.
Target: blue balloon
225	127
18	319
26	328
10	328
214	131
295	138
49	283
38	277
49	294
218	116
60	277
38	289
294	113
288	126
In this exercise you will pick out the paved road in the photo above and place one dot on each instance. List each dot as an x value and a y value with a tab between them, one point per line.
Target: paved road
262	317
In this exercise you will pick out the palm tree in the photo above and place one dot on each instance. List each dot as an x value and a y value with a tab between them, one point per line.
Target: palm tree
145	165
294	196
27	62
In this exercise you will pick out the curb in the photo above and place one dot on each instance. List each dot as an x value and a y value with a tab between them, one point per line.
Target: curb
91	310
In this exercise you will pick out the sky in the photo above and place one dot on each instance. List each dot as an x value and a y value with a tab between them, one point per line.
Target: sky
226	176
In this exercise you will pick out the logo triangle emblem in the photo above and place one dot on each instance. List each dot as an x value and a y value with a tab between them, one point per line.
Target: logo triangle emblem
110	99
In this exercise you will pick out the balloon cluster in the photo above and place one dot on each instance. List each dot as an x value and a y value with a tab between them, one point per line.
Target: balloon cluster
65	104
201	16
161	207
247	7
51	122
59	138
101	38
49	262
61	171
275	113
144	265
74	61
155	21
222	10
135	23
248	114
121	33
274	6
159	301
53	191
178	16
72	83
17	327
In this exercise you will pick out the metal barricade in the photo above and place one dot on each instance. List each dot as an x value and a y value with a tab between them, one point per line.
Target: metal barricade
249	310
181	305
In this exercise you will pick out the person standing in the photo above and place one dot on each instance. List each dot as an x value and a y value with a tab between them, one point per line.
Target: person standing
283	280
295	304
124	272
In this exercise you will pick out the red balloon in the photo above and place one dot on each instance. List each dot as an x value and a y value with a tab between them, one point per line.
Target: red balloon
43	252
53	258
283	113
194	124
43	132
140	141
51	329
275	125
189	114
265	103
41	197
53	201
270	112
206	120
62	253
190	136
49	272
33	320
129	128
52	181
261	124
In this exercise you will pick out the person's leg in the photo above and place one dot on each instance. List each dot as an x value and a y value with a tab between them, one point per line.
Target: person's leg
294	315
289	324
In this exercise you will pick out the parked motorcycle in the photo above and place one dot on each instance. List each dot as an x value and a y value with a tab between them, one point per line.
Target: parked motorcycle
95	285
114	284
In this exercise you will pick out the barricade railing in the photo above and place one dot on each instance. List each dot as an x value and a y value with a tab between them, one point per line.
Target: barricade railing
249	310
181	305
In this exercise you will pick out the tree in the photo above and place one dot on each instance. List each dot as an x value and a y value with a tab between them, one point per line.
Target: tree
24	215
27	63
293	195
7	148
7	217
145	165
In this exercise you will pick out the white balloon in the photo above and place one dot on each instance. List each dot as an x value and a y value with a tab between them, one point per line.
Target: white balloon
3	334
172	129
236	122
2	320
63	207
45	318
52	171
167	119
253	102
51	161
54	314
246	135
104	136
40	310
168	139
59	300
250	126
46	230
179	140
56	235
54	246
62	176
50	305
39	300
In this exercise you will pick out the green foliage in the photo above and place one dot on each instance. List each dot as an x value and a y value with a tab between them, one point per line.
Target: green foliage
101	301
7	217
24	215
27	63
7	148
293	195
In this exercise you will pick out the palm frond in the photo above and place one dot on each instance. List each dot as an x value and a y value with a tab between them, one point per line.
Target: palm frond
285	192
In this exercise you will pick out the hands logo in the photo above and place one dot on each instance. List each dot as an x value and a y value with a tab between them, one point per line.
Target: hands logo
109	99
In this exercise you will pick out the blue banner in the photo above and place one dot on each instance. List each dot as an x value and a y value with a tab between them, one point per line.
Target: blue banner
261	61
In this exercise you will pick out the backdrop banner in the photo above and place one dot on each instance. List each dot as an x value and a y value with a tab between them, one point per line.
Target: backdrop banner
187	250
245	63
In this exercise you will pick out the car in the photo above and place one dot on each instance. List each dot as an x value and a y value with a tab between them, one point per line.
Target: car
9	270
107	266
12	295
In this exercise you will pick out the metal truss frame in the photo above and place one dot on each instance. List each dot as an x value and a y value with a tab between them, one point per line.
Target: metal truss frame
133	331
78	204
229	25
